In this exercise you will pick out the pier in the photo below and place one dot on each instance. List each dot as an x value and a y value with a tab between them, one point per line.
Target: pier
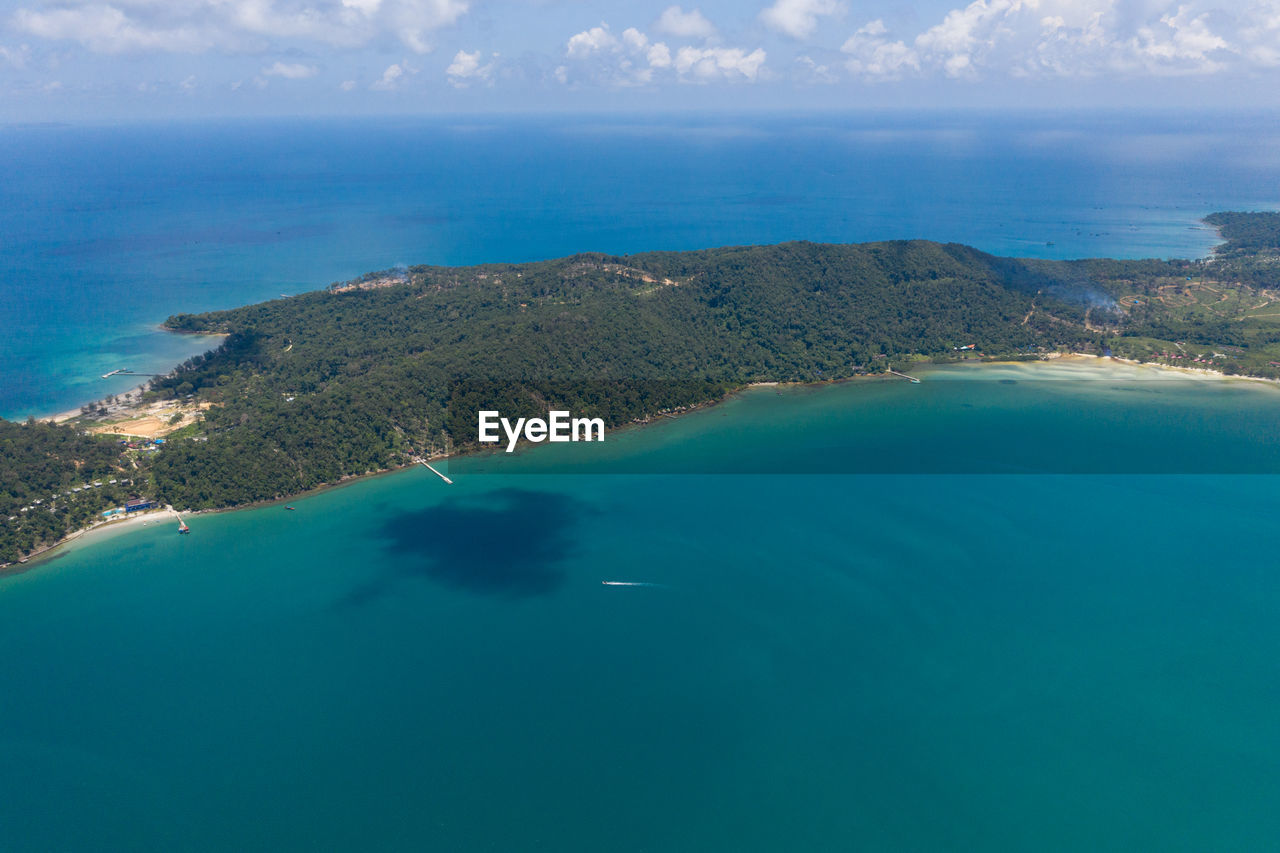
434	471
903	375
124	371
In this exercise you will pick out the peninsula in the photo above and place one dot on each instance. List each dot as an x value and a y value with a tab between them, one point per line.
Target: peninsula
373	373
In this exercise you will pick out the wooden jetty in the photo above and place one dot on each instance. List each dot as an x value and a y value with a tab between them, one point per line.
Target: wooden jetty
434	471
903	375
124	371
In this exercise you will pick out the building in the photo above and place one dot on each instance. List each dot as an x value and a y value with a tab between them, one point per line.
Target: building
137	504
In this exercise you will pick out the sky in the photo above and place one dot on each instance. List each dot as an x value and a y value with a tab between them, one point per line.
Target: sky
110	59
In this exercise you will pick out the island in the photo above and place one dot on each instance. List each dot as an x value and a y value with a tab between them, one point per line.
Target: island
374	373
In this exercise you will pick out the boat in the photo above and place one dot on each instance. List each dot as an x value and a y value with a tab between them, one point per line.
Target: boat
182	526
289	507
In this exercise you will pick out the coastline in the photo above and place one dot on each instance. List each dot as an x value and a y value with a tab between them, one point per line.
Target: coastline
132	395
94	531
1087	360
1199	372
97	530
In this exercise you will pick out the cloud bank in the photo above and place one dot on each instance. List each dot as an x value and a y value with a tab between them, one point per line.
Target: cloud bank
197	26
597	56
1066	38
850	47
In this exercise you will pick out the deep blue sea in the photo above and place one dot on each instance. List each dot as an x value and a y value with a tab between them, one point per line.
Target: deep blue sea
106	230
1010	608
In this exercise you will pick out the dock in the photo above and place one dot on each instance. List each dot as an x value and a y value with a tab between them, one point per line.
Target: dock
903	375
434	471
126	372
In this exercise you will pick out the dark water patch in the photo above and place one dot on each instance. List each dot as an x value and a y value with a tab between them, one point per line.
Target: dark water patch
1008	382
510	543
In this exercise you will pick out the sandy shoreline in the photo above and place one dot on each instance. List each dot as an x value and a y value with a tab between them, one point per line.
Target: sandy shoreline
94	531
99	530
1190	372
133	395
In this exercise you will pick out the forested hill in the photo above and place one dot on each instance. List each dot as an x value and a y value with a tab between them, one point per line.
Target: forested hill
311	388
790	312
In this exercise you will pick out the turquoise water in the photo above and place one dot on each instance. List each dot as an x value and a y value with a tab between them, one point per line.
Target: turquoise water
106	230
1013	608
828	661
1076	415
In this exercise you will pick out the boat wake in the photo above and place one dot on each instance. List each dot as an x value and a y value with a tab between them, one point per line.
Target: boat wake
635	583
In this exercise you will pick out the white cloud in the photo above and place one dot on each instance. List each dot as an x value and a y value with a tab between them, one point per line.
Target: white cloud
874	55
347	85
390	78
598	56
1024	38
290	71
799	18
466	69
711	63
678	23
196	26
106	29
1258	34
414	20
366	7
1179	39
594	40
634	39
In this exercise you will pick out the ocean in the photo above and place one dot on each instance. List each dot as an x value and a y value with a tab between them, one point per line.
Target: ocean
871	661
1010	607
106	230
